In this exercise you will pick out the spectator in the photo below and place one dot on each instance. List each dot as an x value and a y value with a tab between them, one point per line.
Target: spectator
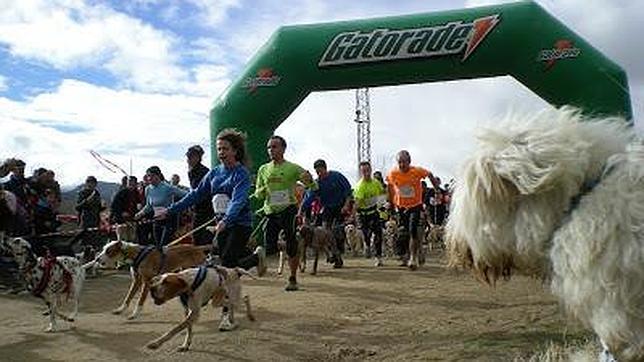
88	204
202	209
159	194
123	209
89	207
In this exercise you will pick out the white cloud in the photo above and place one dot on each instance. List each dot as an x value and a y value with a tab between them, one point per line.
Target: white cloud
69	34
213	13
149	128
3	83
434	121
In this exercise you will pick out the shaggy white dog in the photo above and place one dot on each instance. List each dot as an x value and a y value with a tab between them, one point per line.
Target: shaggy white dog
560	197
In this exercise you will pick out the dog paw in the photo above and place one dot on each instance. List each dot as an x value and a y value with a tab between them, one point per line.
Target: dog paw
183	348
132	317
118	311
50	329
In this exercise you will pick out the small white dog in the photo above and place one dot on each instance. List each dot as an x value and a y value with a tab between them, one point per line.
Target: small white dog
560	197
355	238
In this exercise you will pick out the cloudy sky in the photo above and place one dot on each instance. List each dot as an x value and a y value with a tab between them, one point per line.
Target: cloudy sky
135	80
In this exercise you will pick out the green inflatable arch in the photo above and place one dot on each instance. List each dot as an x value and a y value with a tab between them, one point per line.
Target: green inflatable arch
519	39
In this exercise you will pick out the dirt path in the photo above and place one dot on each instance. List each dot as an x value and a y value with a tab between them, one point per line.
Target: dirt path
356	313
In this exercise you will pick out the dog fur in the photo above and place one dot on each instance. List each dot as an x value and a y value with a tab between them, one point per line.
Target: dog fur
389	235
65	279
356	240
559	196
221	287
318	238
176	257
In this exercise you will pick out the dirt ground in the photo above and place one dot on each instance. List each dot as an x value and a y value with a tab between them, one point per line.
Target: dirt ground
355	313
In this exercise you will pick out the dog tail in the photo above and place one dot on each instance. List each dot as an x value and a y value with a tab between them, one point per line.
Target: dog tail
89	265
242	271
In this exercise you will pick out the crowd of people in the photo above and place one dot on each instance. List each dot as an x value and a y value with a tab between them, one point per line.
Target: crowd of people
155	211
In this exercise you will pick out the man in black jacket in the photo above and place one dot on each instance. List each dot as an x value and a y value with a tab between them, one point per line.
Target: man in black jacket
203	209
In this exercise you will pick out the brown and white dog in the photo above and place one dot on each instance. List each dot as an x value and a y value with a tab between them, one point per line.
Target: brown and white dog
147	262
55	279
320	239
283	257
355	238
196	287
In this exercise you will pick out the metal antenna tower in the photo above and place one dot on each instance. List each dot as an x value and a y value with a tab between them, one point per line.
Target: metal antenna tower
363	123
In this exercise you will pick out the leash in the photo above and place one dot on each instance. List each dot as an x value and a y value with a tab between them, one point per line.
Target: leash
253	234
175	241
103	229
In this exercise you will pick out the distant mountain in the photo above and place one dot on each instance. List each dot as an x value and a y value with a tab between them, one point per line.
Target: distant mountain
69	197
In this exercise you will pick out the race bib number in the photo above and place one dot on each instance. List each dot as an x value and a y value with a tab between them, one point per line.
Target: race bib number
372	201
406	191
220	203
279	197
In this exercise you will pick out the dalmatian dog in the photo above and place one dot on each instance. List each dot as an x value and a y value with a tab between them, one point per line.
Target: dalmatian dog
389	237
54	279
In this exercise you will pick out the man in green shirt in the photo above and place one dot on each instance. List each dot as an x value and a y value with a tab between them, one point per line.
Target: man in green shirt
368	195
275	184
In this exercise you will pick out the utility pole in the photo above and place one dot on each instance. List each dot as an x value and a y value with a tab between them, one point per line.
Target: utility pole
363	123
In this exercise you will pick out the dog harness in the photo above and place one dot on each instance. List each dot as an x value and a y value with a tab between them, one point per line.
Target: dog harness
48	265
201	276
144	253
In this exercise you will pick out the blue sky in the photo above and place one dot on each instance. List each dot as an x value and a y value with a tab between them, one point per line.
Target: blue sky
134	81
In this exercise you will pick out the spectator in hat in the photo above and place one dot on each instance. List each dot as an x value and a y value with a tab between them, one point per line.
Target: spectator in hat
202	209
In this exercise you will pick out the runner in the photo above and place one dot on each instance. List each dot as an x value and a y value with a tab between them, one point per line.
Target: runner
405	194
335	195
368	195
276	181
228	185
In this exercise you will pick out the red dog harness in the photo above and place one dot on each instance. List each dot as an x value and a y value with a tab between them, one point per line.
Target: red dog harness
48	264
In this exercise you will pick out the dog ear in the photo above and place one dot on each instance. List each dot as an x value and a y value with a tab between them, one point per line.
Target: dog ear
173	284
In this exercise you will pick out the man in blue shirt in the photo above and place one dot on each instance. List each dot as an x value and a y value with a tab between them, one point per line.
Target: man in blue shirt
335	196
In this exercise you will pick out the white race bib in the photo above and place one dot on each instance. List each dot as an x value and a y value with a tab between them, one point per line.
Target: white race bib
279	197
220	203
370	202
406	191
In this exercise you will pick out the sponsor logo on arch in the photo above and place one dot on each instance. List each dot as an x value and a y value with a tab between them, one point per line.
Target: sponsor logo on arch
562	49
456	37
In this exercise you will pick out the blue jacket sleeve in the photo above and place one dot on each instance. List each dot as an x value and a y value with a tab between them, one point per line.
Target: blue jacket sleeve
346	186
194	196
239	198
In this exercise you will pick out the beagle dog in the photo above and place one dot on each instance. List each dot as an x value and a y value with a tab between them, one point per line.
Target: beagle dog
195	287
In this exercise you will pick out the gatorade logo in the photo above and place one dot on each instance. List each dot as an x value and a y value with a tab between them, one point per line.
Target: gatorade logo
455	37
